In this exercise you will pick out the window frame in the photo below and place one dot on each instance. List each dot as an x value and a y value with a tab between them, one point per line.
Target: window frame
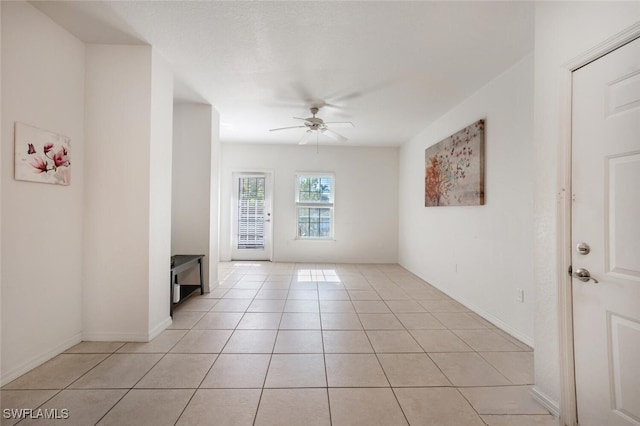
315	205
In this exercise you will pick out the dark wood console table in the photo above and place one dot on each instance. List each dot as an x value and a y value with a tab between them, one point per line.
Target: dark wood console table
181	263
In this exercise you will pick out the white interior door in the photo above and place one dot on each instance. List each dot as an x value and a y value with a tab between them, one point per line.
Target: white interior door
606	219
251	224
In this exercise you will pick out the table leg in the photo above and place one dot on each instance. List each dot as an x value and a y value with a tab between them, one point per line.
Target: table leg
201	280
171	294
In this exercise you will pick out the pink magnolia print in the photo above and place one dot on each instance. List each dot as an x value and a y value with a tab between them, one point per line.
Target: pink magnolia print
41	156
454	169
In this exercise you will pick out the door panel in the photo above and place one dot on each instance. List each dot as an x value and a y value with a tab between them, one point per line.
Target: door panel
252	217
606	216
623	234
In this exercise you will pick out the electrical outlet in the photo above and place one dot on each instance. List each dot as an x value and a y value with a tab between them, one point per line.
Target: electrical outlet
520	295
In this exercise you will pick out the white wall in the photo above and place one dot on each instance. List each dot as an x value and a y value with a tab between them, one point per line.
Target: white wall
192	179
160	167
479	255
563	30
214	220
366	212
128	127
1	138
42	85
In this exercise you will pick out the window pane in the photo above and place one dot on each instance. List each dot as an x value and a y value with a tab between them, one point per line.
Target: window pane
315	189
314	222
303	230
325	189
304	184
305	196
325	229
313	184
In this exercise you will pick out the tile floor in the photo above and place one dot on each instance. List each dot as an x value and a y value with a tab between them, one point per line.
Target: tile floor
294	344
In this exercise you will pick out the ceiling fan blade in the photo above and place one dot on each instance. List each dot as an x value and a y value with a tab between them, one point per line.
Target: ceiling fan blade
300	118
290	127
343	96
305	138
342	124
302	92
334	135
348	96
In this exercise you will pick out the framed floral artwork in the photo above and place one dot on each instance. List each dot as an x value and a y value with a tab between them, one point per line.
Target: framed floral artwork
41	156
454	169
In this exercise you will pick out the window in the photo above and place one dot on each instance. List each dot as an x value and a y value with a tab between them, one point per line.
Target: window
314	205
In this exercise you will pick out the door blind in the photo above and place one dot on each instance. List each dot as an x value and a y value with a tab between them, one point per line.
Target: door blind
251	213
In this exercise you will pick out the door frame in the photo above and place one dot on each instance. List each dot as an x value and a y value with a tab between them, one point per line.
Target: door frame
269	182
568	403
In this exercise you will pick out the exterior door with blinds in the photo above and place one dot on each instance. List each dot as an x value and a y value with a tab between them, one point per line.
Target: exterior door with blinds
252	216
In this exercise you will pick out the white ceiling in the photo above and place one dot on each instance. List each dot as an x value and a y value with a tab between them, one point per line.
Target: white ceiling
389	67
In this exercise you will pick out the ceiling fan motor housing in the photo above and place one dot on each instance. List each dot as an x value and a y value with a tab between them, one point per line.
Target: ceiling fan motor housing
314	123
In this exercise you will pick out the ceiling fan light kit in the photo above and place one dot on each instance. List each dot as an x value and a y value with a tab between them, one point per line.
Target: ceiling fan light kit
319	126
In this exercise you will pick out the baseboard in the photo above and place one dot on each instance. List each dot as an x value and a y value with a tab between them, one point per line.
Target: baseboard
342	260
212	285
127	336
527	340
546	401
115	337
153	333
38	360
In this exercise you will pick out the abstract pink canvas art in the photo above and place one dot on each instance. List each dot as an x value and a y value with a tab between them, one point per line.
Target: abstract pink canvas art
41	156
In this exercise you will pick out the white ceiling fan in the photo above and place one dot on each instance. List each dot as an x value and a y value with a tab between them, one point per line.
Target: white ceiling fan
318	126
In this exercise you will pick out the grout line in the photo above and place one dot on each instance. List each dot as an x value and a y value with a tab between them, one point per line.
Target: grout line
266	374
59	391
470	404
324	359
127	389
217	355
378	278
384	371
116	403
91	369
186	405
